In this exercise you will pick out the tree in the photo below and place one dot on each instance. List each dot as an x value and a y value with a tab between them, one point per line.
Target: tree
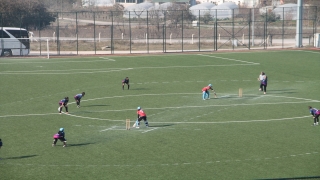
271	17
25	13
207	18
316	9
178	12
117	12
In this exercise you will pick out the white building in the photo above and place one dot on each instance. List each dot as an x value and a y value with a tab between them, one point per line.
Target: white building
247	3
126	3
225	10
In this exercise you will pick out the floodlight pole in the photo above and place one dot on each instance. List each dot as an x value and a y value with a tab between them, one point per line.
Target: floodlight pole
252	26
299	24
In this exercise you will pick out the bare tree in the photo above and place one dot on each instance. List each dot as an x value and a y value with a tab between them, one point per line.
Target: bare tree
117	13
178	12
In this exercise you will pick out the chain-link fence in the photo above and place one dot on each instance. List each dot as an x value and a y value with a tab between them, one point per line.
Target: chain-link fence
111	32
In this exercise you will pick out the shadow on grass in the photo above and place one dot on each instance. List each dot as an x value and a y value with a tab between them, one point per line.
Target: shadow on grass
94	105
80	144
163	125
293	178
137	89
81	112
282	91
21	157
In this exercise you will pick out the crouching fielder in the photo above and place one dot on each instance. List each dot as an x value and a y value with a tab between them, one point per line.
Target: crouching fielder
206	93
141	116
63	103
60	135
315	115
78	97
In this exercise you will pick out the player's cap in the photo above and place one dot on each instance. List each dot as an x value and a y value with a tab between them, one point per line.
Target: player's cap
61	129
139	108
210	85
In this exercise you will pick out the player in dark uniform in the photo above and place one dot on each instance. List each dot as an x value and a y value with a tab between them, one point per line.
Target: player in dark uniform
78	98
125	81
0	145
315	114
63	103
61	136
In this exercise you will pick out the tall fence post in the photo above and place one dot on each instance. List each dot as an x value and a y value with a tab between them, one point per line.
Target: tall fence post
199	32
282	27
112	43
39	31
77	33
147	31
163	39
265	31
216	32
249	29
165	32
253	23
2	42
233	41
182	31
58	35
130	31
94	33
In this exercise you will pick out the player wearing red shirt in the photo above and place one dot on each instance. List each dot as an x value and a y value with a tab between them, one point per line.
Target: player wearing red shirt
206	93
141	116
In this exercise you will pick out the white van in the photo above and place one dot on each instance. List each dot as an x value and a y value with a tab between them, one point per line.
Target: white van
14	41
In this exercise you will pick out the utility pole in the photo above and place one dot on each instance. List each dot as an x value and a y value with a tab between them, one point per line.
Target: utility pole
299	24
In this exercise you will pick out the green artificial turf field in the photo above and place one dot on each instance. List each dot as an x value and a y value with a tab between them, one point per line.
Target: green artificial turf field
254	137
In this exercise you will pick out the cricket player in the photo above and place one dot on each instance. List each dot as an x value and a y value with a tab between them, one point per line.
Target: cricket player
78	98
206	93
63	103
61	136
141	116
315	114
125	81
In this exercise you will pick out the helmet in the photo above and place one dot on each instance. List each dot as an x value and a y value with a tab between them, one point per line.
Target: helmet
139	108
210	85
61	129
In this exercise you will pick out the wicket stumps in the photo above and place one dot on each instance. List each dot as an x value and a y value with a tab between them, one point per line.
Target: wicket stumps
127	124
240	92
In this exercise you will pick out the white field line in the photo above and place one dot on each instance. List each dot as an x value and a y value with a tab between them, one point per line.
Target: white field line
229	59
257	97
151	129
112	128
308	51
61	72
163	108
227	122
107	59
121	69
106	69
211	122
57	61
204	162
100	119
168	94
